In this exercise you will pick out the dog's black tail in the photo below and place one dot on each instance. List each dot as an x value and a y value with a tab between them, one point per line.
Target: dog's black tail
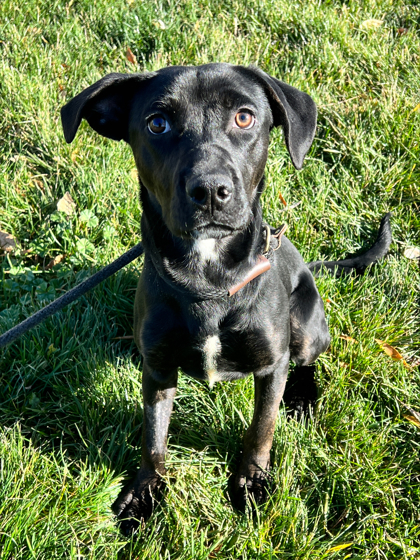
361	262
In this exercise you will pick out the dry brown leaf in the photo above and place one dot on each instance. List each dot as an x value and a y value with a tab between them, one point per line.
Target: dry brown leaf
282	200
66	204
7	242
347	337
412	420
392	352
54	261
411	410
412	253
371	24
129	55
39	184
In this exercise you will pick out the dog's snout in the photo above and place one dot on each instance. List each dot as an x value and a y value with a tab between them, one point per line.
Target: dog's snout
210	195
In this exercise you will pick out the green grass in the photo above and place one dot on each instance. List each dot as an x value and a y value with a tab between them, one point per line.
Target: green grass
70	397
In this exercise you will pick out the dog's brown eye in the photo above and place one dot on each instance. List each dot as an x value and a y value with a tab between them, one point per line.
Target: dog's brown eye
243	119
158	125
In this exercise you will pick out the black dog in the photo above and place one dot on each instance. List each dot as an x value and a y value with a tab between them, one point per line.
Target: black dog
221	295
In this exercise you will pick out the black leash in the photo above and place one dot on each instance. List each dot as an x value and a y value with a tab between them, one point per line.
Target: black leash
70	296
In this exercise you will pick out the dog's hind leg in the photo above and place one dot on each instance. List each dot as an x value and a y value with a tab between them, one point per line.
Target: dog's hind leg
309	335
251	479
135	501
301	391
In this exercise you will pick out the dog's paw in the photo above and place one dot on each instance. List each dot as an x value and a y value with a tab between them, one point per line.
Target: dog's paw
252	489
136	501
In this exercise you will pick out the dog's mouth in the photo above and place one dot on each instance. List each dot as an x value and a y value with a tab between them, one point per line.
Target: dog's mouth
210	231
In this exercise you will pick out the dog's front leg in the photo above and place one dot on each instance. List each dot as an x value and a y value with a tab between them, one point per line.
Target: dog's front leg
252	476
135	501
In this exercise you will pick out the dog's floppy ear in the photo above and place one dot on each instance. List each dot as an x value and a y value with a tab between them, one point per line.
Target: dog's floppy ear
292	109
105	105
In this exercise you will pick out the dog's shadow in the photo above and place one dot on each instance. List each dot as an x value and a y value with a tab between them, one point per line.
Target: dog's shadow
80	390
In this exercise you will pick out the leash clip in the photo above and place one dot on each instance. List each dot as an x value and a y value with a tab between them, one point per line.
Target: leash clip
278	232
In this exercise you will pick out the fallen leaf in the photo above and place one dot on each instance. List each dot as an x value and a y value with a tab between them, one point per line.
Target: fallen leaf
7	242
54	261
66	204
215	551
340	547
282	200
371	24
348	338
412	253
415	414
412	420
392	352
129	55
402	30
39	184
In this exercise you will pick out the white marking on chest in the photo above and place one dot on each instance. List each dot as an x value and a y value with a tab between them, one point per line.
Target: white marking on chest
211	351
206	248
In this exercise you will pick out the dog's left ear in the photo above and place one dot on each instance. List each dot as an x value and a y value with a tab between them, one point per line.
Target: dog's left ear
292	109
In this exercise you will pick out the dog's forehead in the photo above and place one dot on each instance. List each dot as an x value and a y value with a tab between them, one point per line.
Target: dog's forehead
217	85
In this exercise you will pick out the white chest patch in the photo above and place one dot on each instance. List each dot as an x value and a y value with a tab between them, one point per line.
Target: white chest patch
211	351
206	248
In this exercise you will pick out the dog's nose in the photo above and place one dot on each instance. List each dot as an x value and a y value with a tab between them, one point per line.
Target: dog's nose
210	195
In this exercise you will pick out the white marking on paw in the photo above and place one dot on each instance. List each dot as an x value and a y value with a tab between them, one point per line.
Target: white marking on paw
211	351
206	248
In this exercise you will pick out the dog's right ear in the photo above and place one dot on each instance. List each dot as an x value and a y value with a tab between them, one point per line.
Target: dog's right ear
105	105
292	109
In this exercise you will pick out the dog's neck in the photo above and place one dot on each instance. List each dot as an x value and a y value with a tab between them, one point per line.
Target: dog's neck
202	268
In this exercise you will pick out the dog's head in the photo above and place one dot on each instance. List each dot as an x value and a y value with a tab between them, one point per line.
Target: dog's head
199	137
